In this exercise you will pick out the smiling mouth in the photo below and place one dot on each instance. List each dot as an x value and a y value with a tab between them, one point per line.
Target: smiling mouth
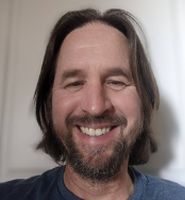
95	132
95	126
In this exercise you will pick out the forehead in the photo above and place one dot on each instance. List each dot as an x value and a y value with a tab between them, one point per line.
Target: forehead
93	34
94	43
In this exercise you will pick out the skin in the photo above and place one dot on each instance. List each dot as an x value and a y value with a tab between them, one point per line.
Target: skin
93	77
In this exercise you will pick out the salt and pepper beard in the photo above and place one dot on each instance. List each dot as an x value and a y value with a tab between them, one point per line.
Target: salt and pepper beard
102	170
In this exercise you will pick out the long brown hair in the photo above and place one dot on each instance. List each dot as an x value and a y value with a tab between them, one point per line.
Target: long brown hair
140	68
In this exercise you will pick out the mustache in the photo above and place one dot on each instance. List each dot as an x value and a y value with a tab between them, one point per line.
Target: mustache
113	120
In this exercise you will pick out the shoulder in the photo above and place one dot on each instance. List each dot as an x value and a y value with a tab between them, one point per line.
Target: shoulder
155	188
168	189
20	188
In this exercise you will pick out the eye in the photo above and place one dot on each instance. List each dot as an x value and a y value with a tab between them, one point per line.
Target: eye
74	86
116	84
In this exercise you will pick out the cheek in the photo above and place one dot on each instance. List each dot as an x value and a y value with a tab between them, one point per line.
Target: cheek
62	107
129	104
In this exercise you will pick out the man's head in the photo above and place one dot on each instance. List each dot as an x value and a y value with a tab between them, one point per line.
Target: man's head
96	94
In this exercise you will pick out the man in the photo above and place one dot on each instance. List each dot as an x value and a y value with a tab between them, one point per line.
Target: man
94	101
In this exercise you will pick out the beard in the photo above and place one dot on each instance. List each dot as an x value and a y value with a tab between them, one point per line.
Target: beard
100	169
96	164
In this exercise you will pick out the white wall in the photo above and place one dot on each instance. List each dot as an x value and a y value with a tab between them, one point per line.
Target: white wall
25	27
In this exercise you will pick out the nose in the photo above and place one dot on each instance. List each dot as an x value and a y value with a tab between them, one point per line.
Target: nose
95	100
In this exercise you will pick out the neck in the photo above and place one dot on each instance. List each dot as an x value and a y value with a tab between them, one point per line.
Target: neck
120	187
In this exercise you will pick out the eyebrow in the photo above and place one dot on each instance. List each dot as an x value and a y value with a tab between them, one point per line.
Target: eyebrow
70	73
118	71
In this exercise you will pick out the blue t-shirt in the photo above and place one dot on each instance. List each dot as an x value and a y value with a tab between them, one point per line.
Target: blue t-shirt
50	185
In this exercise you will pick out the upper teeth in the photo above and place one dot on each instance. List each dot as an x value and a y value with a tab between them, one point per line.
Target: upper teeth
94	132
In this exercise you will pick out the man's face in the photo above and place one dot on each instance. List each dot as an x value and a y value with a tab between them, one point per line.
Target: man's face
96	109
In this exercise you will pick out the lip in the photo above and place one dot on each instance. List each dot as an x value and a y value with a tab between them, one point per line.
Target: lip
96	140
94	132
96	126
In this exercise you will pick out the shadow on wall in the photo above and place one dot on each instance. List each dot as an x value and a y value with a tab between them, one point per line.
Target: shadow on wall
165	129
